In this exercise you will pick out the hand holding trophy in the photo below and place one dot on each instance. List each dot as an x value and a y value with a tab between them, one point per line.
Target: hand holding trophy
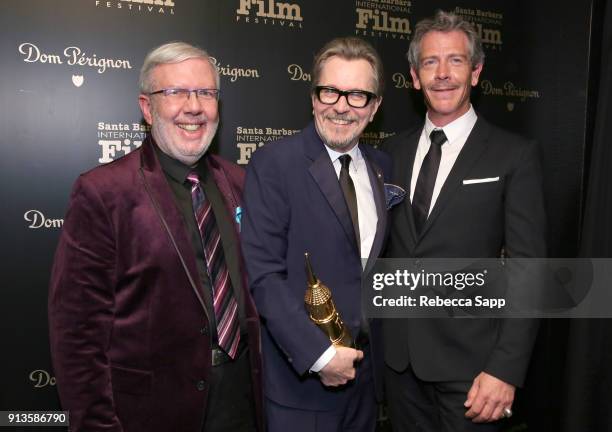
322	310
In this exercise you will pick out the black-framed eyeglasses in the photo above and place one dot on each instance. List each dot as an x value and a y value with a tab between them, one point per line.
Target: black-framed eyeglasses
355	98
181	94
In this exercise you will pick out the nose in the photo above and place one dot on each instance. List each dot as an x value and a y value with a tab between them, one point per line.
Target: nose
193	103
442	70
342	104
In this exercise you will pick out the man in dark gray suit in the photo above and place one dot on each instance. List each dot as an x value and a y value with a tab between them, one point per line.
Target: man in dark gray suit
320	191
473	190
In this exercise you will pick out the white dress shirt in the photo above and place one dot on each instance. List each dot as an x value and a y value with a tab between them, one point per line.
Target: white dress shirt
368	218
366	208
456	133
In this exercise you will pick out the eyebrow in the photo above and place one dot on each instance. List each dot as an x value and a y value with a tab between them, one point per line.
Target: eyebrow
448	55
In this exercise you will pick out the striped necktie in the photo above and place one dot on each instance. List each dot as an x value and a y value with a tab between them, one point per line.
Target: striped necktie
224	301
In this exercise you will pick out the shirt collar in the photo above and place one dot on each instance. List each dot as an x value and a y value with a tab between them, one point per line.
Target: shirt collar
176	169
354	153
456	128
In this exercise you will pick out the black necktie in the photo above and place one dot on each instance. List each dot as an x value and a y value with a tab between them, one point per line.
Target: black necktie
348	188
423	191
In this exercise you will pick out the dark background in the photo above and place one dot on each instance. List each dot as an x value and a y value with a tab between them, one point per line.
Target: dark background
550	53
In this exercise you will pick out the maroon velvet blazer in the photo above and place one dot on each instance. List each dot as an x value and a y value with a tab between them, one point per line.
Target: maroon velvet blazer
128	325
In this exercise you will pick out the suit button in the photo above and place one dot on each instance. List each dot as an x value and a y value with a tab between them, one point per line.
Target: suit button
203	330
201	385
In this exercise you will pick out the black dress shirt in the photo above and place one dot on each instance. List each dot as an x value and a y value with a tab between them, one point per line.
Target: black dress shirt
176	173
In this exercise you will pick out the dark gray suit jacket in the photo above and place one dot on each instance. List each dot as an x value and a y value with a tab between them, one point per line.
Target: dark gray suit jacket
475	221
294	204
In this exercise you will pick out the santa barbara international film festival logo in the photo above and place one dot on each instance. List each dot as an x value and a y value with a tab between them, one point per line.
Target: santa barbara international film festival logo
270	12
374	138
162	7
249	139
383	18
488	24
118	139
73	56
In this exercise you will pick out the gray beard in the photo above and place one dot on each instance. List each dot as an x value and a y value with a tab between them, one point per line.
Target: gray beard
339	146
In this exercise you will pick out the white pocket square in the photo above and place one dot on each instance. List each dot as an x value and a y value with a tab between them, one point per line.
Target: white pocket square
480	180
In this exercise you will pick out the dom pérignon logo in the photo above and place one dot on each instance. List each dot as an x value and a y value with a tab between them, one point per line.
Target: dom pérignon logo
77	80
37	220
41	378
71	56
297	73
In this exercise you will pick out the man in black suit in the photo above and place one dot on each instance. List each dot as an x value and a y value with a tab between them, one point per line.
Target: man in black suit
473	190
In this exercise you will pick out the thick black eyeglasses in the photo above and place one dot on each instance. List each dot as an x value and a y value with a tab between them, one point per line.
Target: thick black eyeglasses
355	98
180	94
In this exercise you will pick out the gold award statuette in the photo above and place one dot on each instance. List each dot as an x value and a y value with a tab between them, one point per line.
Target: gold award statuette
322	310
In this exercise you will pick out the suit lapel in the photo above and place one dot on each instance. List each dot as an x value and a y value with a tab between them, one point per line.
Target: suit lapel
323	173
159	192
378	190
231	247
406	156
469	155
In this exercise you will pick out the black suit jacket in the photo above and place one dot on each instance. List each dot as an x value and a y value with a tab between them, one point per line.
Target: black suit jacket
476	221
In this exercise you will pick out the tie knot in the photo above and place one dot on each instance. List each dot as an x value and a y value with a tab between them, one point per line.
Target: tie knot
193	178
345	161
437	137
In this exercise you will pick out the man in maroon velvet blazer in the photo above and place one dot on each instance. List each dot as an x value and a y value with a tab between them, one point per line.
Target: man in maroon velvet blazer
135	340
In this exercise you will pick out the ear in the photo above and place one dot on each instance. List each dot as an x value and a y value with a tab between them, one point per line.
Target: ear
476	74
145	106
377	103
415	79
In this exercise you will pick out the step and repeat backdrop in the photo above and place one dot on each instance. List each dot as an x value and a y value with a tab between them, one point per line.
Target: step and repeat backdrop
68	86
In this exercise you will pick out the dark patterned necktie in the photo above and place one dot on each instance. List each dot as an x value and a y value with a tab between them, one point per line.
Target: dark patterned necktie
348	189
224	301
423	191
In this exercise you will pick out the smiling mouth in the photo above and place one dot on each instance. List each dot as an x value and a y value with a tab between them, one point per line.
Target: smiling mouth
190	127
340	121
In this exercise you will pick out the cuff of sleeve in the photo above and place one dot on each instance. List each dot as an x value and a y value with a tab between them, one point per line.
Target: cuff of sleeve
324	359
